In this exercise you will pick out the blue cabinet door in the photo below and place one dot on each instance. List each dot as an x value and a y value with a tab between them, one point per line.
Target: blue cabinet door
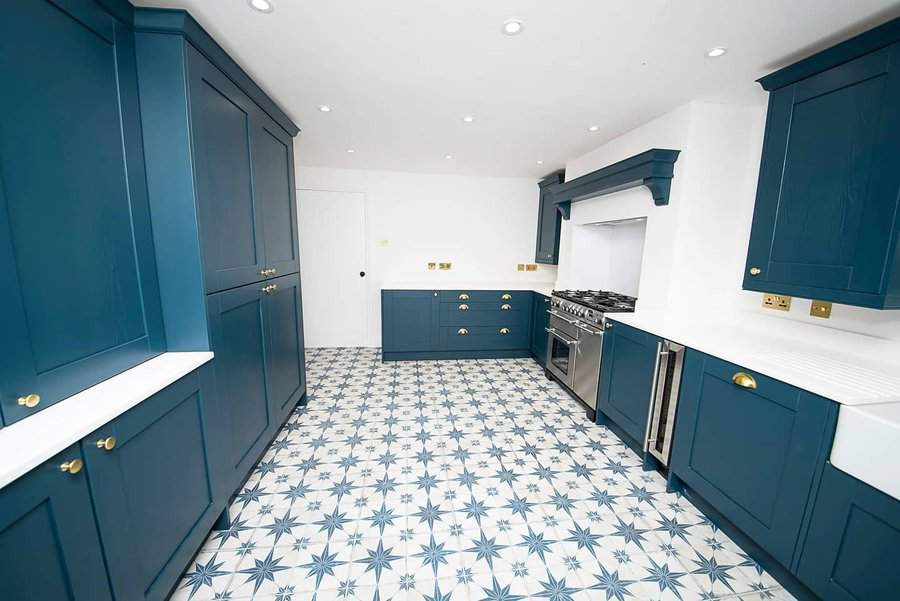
825	224
540	320
549	221
273	184
156	492
409	320
285	358
238	332
852	548
80	298
48	537
222	118
628	364
753	453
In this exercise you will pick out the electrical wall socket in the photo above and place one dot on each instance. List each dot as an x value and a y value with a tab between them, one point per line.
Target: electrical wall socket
520	267
432	266
777	301
531	267
445	266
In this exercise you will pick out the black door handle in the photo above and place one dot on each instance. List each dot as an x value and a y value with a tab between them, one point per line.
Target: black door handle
362	274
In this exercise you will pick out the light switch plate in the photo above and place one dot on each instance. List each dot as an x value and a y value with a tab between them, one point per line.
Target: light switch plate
778	302
520	267
432	266
820	309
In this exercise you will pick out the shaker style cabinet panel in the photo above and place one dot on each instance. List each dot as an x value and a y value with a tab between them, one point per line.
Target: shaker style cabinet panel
826	222
540	320
80	296
752	447
409	320
230	215
852	549
549	221
285	356
626	377
48	537
155	490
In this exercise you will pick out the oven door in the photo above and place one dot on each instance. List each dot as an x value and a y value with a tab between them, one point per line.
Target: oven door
562	345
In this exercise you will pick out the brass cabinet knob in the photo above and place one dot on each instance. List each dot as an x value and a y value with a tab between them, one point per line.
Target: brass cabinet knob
744	380
505	307
464	307
30	400
755	271
107	444
72	466
504	331
506	297
463	296
609	325
462	332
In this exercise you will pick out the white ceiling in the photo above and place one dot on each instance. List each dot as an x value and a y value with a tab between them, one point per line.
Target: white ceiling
401	74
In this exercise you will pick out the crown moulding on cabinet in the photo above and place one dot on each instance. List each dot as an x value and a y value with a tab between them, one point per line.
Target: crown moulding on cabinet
653	168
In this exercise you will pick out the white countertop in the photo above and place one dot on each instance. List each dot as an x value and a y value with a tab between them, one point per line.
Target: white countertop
848	368
544	288
27	443
867	444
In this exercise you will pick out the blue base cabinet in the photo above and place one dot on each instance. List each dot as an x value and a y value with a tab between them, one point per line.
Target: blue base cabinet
455	324
626	378
852	549
48	537
540	321
752	447
156	492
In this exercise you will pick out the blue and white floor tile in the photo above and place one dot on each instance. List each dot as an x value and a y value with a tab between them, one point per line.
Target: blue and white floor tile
459	481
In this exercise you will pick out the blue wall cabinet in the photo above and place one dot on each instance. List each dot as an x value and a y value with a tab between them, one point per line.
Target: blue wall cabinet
549	221
540	320
48	537
752	447
409	321
155	489
238	331
826	223
76	309
852	549
626	377
285	356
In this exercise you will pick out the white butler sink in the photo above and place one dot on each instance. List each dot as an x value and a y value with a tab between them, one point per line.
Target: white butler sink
867	445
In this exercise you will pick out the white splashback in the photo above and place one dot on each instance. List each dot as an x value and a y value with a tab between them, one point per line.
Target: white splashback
605	257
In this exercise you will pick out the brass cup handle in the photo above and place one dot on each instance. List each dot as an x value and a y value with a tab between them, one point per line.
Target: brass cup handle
464	307
755	271
107	444
506	297
73	466
269	289
462	332
463	296
504	331
505	307
30	400
744	380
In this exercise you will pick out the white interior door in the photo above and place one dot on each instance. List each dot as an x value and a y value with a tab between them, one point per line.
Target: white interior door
332	257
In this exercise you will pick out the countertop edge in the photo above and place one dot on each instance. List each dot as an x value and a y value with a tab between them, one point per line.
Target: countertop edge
25	445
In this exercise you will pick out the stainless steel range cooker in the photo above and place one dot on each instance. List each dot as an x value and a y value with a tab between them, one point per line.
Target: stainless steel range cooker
575	338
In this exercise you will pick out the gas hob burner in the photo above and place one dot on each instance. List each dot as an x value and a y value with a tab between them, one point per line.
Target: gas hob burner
599	300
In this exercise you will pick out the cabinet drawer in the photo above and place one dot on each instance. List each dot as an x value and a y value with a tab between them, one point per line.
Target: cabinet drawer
484	338
486	296
752	451
468	313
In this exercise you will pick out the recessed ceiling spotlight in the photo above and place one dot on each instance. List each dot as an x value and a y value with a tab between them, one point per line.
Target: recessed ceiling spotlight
512	27
448	156
716	52
540	162
350	151
324	108
468	119
594	128
263	6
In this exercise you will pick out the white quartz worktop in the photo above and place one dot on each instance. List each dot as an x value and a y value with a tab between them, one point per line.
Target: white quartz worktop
848	368
27	443
544	288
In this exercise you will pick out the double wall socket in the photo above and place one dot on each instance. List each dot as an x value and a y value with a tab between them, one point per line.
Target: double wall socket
777	301
442	266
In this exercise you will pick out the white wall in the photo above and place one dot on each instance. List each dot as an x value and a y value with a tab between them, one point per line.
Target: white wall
485	226
695	248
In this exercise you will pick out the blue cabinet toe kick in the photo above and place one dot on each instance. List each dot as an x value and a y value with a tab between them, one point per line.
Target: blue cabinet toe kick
449	355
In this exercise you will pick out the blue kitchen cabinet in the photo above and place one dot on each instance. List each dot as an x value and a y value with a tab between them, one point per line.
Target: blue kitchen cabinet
239	339
549	222
752	447
285	357
48	537
80	296
626	378
409	321
540	321
155	487
826	223
852	548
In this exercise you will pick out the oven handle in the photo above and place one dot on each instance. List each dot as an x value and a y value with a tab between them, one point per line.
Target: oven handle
558	316
555	333
582	327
